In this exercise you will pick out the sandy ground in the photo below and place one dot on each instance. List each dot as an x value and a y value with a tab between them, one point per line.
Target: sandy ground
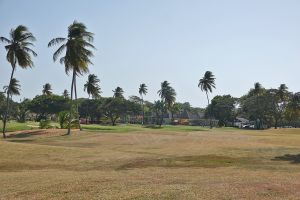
152	164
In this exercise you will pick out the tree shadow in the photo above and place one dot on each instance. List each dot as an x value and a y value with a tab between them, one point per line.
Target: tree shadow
293	159
25	134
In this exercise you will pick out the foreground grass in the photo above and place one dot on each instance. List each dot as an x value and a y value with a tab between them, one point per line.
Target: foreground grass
131	162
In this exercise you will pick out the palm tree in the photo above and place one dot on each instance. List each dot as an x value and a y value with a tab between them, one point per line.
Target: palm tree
143	91
118	92
14	88
168	97
257	90
77	55
283	92
47	89
18	53
92	86
65	94
207	83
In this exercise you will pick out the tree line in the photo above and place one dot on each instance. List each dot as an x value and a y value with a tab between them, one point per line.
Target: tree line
264	106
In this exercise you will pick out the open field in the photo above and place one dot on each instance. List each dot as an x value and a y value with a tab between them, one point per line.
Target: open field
129	162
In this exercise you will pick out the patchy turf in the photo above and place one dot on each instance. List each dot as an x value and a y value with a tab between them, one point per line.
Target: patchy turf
131	162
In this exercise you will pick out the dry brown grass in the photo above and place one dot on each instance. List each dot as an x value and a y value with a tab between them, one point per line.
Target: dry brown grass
151	164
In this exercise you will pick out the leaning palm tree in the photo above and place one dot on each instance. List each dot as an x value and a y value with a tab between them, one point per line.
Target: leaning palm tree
92	86
143	91
18	53
47	89
206	84
118	92
77	47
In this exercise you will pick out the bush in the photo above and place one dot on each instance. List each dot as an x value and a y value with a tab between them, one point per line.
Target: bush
45	124
63	118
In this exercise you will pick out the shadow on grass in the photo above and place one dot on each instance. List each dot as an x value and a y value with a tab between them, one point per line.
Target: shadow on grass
293	159
204	161
25	134
153	127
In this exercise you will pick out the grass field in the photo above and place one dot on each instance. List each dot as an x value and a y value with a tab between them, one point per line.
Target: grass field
130	162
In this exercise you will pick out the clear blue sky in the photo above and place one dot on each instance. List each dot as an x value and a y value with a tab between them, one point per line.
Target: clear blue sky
150	41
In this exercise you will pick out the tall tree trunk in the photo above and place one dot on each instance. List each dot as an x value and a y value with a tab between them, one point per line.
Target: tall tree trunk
71	103
143	110
78	118
87	111
7	100
209	111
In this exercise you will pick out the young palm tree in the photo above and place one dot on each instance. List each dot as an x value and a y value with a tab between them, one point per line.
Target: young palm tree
167	95
207	83
47	89
118	92
143	91
77	55
18	53
92	86
65	94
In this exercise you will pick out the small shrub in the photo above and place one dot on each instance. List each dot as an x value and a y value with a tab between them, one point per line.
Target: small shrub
45	124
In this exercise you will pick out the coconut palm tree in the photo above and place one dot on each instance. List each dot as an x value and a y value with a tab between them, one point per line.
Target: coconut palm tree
92	86
18	47
14	88
206	84
118	92
47	89
143	91
77	47
168	97
65	94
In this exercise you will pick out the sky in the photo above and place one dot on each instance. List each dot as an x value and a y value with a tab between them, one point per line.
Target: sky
149	41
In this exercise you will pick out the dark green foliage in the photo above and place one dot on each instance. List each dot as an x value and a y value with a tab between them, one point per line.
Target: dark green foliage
63	118
222	108
45	124
44	105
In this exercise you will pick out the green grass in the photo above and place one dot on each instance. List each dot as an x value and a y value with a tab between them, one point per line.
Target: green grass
29	125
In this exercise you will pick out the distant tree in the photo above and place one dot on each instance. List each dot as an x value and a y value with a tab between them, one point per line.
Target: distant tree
143	91
257	90
44	105
158	108
18	53
23	110
118	92
66	94
168	97
92	86
207	83
293	108
222	108
77	56
13	89
113	108
47	89
93	89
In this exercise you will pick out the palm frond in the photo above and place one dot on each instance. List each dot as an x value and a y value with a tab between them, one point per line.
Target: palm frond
56	41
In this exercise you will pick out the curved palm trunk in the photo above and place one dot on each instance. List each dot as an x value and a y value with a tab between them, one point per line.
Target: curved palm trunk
209	111
71	103
7	101
87	111
76	102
